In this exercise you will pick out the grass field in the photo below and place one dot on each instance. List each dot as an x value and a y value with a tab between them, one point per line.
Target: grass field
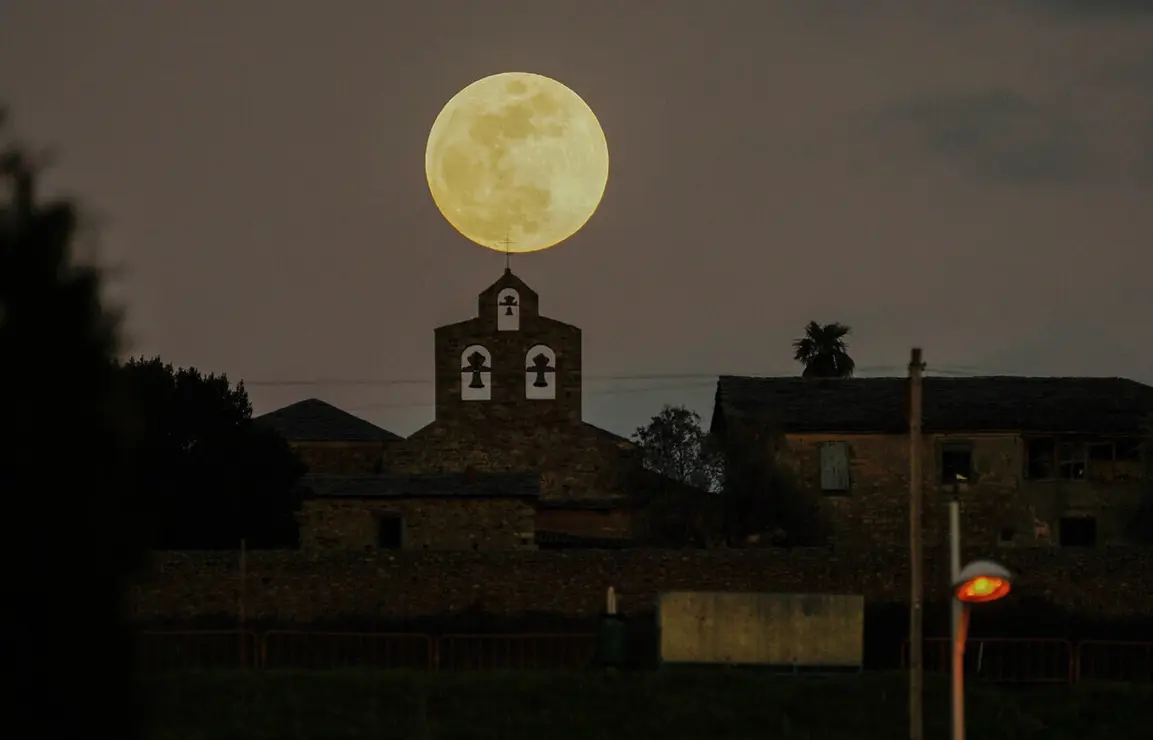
669	705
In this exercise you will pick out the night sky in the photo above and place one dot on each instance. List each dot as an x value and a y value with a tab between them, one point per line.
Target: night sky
975	178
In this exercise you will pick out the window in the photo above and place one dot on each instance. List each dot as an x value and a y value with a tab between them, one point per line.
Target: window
1040	458
1047	459
956	462
1006	535
1077	531
1129	450
835	467
1100	452
1072	460
390	532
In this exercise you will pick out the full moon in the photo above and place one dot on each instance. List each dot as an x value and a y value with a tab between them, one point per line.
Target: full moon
517	162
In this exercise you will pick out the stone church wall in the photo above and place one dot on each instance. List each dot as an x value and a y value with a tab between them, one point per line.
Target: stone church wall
427	523
574	460
341	458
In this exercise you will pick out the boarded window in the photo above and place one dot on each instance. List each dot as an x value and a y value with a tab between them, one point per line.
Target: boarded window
835	466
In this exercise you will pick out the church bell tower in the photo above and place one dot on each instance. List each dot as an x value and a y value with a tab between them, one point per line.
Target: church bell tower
508	362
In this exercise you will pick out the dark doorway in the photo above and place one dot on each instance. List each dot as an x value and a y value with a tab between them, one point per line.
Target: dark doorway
390	532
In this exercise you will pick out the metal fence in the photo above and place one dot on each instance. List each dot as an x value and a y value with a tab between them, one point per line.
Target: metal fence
196	650
1034	661
327	650
1106	660
999	660
516	652
1003	660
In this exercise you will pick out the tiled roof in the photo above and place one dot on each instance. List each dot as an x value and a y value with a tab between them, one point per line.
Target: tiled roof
313	420
442	485
611	437
994	403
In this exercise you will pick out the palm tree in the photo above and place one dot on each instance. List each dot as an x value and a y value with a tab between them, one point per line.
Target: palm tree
824	352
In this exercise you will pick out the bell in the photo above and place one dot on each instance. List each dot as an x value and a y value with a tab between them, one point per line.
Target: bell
508	311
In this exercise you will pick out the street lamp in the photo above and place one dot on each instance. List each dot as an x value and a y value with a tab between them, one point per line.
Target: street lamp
979	582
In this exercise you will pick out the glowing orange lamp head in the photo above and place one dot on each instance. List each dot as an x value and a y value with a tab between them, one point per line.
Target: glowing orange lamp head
982	581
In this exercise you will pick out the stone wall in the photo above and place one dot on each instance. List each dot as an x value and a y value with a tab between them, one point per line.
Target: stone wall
574	459
1000	507
341	458
511	432
601	522
510	359
298	587
428	523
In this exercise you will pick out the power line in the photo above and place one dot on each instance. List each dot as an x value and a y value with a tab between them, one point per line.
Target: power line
611	392
427	381
957	371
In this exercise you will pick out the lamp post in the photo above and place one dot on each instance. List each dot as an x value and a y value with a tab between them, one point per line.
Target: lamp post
978	582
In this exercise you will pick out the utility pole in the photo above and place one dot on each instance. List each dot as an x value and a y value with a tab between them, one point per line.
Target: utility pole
916	560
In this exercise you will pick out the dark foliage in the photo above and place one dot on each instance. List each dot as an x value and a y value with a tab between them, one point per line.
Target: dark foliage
210	476
1141	524
681	501
761	497
674	445
725	487
66	529
824	352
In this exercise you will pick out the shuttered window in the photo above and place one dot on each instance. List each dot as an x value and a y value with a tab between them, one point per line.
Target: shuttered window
835	466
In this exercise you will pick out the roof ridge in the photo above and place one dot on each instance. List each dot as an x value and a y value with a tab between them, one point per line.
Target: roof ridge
317	420
1036	404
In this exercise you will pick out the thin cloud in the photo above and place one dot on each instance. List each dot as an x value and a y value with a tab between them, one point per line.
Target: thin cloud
996	134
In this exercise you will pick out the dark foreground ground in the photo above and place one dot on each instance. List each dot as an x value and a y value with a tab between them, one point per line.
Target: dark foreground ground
671	704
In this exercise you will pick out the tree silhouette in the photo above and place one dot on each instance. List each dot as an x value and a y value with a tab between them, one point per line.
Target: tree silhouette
674	445
680	501
67	533
212	476
1140	526
824	352
761	495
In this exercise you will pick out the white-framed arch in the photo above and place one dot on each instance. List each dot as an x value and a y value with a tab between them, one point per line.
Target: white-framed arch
475	373
540	379
508	310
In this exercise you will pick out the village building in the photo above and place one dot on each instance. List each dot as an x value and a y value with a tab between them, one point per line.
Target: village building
1033	461
507	411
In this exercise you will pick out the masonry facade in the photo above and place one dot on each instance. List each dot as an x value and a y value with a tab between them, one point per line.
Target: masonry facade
508	405
508	400
1033	461
431	512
